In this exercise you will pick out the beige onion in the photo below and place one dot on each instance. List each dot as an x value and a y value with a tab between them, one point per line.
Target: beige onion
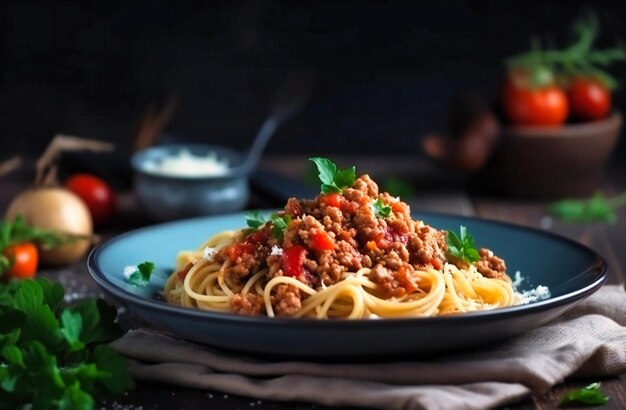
55	209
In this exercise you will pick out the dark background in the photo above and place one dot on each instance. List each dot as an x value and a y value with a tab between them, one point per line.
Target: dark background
385	69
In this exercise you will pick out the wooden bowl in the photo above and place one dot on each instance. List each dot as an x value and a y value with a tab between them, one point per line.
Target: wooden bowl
542	162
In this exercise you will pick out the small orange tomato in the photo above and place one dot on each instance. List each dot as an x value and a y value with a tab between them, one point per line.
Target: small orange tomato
24	258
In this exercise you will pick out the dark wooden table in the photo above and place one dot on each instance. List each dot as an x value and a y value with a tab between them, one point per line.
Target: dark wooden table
434	192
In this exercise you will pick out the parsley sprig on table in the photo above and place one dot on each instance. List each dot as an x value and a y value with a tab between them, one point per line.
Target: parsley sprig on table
597	208
589	395
53	356
333	180
461	247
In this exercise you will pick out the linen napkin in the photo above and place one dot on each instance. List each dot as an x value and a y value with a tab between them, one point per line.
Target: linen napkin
587	341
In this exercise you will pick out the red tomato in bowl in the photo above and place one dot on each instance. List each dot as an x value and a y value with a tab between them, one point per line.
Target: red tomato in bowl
96	194
589	99
24	259
545	105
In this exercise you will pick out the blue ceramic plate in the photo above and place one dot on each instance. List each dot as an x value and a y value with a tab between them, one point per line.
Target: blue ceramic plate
571	271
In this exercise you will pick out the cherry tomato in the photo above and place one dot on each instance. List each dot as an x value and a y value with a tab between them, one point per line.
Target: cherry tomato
24	258
545	105
589	99
96	194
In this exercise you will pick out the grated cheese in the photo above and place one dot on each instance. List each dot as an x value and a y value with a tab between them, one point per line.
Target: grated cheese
184	163
276	250
129	270
209	253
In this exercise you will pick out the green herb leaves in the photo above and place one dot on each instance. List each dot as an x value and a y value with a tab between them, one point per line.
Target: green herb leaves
590	395
140	277
16	232
279	224
381	209
597	208
256	220
461	247
53	357
578	59
333	180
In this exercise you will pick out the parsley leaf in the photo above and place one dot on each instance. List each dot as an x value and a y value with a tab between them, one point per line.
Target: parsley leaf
332	179
461	247
381	209
141	276
597	208
255	219
590	395
279	224
52	357
72	326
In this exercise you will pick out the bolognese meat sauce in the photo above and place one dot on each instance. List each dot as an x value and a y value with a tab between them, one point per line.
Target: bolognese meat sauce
332	235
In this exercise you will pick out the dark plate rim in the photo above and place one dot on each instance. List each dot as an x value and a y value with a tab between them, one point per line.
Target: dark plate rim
599	266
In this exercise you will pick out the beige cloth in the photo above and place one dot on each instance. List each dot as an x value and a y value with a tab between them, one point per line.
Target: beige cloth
589	341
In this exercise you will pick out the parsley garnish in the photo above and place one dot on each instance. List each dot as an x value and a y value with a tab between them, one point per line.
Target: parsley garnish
590	395
596	208
53	356
381	209
333	179
462	248
141	276
255	219
279	224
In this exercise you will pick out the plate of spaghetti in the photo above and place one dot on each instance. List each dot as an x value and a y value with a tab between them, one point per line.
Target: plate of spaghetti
349	273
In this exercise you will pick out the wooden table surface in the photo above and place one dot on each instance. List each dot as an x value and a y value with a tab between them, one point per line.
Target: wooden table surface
433	193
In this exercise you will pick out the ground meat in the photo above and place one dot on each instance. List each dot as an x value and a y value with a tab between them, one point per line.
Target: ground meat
237	273
293	208
329	269
392	260
394	282
249	304
286	300
490	265
348	256
368	224
429	247
366	185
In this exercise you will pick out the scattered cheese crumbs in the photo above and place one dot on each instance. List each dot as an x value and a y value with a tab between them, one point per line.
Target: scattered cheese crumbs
528	296
534	295
129	270
276	250
209	253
